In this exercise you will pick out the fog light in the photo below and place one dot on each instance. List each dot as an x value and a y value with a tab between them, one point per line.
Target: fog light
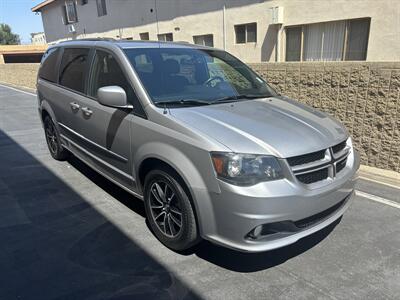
255	233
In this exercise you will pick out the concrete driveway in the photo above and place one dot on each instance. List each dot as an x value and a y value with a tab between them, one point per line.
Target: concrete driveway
68	233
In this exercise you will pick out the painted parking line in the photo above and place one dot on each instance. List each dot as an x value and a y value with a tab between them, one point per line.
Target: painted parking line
380	182
18	90
378	199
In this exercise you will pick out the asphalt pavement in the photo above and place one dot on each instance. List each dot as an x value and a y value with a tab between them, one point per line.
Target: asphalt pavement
68	233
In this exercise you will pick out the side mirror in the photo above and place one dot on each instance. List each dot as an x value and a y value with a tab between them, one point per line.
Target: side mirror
113	96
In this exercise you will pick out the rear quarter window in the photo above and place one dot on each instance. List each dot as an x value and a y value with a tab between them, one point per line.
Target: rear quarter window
48	68
74	68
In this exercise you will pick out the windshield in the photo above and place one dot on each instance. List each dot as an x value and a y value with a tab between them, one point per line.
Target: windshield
195	76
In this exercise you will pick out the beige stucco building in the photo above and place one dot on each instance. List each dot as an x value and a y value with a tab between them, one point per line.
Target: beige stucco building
38	38
253	30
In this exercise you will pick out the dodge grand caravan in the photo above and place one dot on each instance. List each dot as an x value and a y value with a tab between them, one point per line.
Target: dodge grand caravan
212	150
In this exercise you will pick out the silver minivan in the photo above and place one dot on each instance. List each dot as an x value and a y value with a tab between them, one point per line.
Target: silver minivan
212	150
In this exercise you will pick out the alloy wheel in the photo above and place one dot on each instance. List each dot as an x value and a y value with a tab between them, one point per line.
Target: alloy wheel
51	137
165	209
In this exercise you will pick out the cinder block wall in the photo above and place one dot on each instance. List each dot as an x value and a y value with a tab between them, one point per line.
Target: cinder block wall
363	95
19	74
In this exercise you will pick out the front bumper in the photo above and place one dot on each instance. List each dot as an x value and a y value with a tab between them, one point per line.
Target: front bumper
238	210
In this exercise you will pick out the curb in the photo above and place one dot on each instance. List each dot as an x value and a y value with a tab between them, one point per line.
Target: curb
385	177
19	87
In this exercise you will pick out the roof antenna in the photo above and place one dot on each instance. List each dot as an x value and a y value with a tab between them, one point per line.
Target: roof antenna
155	8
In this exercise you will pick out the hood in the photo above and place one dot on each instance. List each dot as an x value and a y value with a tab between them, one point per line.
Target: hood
278	126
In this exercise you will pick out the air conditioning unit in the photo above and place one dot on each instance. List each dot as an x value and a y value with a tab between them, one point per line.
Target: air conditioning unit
71	28
277	15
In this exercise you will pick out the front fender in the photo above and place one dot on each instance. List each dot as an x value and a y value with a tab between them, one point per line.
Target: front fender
199	187
176	159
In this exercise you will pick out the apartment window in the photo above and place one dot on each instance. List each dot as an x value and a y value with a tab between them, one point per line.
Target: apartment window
293	44
204	40
144	36
101	8
246	33
70	14
357	43
165	37
330	41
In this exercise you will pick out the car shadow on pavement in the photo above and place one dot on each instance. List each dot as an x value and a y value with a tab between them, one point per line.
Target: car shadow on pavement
54	244
112	189
223	257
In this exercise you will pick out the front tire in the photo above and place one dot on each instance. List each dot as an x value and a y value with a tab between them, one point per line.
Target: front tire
57	151
169	211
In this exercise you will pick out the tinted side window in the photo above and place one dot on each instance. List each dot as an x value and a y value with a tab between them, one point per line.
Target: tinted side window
143	63
107	72
48	69
73	69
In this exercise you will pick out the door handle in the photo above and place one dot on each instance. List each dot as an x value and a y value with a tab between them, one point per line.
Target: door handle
87	111
74	105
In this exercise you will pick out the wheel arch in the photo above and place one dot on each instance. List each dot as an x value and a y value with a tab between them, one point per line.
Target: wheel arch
154	153
152	163
45	109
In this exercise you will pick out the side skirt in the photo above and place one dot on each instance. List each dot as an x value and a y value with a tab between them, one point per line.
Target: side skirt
66	143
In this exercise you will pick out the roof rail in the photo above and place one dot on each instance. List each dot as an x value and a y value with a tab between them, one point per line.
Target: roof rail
90	40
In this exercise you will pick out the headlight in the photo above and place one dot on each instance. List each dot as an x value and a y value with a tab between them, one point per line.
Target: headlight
349	143
246	169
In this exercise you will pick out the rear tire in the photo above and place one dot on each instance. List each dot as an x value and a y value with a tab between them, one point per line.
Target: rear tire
57	151
169	211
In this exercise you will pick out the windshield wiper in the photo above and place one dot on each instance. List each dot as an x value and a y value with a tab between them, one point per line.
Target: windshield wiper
252	96
225	99
235	98
184	102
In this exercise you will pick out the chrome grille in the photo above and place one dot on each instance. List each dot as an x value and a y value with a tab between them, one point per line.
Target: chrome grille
314	176
320	165
339	147
306	158
340	165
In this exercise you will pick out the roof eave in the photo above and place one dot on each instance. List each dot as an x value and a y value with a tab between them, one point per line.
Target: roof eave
41	5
